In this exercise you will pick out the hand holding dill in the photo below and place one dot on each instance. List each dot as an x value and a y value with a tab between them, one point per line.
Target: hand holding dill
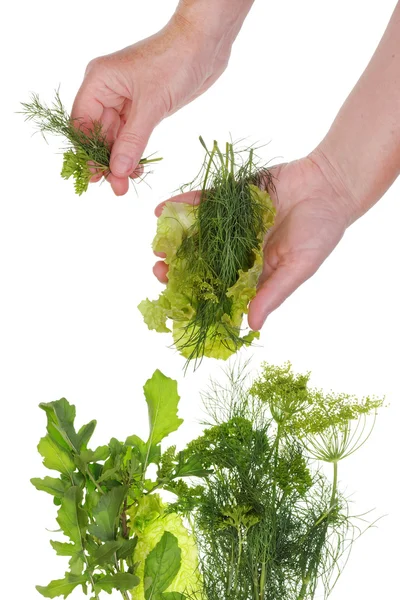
214	255
131	91
88	148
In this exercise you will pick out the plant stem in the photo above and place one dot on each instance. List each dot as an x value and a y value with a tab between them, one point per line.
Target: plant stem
263	578
124	524
92	479
332	503
240	540
334	485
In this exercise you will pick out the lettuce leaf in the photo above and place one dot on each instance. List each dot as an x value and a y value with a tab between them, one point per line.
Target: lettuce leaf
156	523
179	301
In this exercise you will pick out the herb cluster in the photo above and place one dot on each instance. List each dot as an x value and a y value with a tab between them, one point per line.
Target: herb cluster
87	149
254	515
119	535
214	254
269	523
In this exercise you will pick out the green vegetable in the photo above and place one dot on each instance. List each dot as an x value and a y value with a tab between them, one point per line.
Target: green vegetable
269	524
107	508
259	519
214	255
86	147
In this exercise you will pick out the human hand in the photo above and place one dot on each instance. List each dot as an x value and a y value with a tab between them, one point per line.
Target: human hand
313	212
132	90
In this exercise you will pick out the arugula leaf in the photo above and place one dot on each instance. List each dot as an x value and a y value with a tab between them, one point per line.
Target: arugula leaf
105	552
63	549
71	516
60	418
85	433
126	548
61	587
106	512
119	581
162	400
76	563
162	565
51	485
54	457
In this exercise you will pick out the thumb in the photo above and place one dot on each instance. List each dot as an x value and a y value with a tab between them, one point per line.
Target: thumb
130	144
276	289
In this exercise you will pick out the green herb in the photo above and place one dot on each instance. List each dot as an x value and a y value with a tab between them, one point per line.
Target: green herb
120	536
270	525
257	511
86	147
214	254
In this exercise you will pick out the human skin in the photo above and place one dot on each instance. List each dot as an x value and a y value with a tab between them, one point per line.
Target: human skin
319	196
132	90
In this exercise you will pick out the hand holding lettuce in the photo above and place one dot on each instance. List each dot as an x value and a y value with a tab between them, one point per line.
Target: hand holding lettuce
214	256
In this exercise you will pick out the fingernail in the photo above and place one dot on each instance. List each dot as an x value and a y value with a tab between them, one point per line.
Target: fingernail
122	165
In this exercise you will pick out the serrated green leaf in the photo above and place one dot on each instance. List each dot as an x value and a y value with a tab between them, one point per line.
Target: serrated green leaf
63	549
61	587
127	548
119	581
147	456
162	400
76	563
105	553
71	516
51	485
85	433
55	457
106	512
61	416
101	453
162	565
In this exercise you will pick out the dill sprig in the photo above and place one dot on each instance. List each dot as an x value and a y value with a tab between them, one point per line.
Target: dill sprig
230	224
269	523
86	148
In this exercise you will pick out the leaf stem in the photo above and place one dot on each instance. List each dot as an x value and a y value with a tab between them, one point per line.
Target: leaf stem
92	479
334	485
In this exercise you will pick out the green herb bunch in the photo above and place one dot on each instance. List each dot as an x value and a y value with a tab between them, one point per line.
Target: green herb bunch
120	536
269	523
87	149
214	254
256	514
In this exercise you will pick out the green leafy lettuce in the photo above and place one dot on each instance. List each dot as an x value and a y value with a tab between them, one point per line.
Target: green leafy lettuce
214	253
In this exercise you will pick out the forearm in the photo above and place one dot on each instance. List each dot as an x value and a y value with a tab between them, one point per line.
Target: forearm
220	20
361	151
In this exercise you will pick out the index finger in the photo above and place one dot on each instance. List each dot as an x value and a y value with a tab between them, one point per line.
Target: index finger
86	108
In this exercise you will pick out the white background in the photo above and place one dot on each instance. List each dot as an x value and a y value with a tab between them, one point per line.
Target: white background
73	269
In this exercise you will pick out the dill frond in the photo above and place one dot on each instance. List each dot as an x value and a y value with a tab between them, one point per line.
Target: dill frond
230	226
270	523
85	147
214	251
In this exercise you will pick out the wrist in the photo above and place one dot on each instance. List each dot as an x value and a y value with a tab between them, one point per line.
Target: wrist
218	21
348	201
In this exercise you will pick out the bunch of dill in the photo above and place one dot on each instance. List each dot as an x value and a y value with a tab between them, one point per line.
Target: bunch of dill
86	150
270	525
231	223
214	251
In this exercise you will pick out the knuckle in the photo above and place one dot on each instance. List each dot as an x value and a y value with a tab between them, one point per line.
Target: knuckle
132	138
94	65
